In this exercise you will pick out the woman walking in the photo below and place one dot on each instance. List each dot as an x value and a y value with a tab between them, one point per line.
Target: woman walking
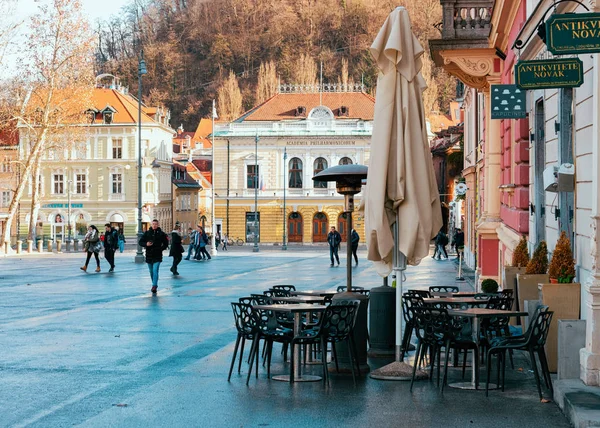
92	245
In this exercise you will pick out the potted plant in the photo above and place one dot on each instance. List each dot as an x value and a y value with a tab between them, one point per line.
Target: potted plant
535	273
489	286
561	295
520	258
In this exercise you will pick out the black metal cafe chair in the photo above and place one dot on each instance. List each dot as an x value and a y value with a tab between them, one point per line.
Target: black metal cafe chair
443	289
245	324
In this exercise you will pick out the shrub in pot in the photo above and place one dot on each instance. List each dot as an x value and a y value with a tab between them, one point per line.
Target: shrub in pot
520	256
539	262
489	286
562	265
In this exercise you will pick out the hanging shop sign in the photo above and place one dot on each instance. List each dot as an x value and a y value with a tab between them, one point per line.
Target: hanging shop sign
573	33
549	73
508	102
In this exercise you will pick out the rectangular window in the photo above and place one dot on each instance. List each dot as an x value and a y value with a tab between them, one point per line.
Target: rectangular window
5	202
59	184
117	149
252	176
117	183
6	165
80	183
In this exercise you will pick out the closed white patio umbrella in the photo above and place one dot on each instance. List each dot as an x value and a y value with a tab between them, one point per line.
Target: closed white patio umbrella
402	204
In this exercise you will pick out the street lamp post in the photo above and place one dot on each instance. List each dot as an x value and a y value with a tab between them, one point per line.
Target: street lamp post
255	249
284	246
69	182
213	247
139	257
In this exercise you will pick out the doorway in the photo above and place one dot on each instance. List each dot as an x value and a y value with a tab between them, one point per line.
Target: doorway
295	227
320	223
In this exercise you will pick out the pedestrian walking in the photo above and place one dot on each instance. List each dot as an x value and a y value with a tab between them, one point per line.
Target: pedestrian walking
458	241
121	241
217	239
155	241
334	239
92	245
225	241
202	242
355	239
111	243
191	247
176	248
441	240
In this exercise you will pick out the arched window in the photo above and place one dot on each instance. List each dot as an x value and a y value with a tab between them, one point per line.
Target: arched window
345	161
295	174
149	183
320	165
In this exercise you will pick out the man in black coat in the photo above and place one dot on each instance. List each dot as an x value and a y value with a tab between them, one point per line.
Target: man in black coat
459	241
176	248
355	239
334	239
111	243
155	241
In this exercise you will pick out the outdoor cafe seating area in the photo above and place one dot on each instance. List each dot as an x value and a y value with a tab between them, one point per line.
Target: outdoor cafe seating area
449	325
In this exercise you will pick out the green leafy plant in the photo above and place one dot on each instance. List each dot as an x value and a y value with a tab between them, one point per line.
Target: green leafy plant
539	262
520	256
489	286
562	265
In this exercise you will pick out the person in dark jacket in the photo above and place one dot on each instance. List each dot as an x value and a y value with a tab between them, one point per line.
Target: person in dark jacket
111	243
441	240
458	241
355	239
155	241
334	239
191	247
201	243
176	248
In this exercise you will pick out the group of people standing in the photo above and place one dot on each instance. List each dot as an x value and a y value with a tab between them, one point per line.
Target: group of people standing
334	239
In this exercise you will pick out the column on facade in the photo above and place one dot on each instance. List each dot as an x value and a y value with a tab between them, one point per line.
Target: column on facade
590	309
493	173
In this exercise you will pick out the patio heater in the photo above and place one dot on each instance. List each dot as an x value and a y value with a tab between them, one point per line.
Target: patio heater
348	181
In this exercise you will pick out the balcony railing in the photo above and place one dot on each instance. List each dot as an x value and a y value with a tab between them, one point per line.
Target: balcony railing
464	19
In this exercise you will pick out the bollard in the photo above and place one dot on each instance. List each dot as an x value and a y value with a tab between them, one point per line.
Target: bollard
6	245
29	246
382	320
19	245
75	245
50	242
58	245
360	336
68	246
40	245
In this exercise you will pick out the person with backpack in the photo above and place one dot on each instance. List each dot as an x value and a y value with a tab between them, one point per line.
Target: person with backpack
202	242
92	245
191	247
111	243
176	248
121	241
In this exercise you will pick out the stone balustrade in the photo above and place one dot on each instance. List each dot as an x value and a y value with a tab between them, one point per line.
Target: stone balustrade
463	19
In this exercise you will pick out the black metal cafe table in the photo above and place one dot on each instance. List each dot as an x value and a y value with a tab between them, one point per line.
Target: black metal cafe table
297	309
476	314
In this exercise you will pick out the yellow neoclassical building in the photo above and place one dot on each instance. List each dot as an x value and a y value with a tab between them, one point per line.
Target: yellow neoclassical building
266	159
97	182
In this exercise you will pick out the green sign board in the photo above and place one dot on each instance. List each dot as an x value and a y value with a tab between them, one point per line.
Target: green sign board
549	73
508	102
573	33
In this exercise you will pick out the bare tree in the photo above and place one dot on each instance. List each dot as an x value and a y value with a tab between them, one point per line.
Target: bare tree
305	72
8	27
58	71
267	81
230	98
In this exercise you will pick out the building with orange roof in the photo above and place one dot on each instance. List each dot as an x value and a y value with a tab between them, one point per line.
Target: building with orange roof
9	173
97	181
296	133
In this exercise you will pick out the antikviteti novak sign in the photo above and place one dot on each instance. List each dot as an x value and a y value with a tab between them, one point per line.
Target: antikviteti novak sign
549	73
573	33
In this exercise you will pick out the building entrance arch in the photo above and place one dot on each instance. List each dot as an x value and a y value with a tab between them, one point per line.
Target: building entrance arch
295	227
320	224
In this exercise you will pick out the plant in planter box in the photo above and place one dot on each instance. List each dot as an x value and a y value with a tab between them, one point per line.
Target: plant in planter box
539	262
562	265
520	256
489	286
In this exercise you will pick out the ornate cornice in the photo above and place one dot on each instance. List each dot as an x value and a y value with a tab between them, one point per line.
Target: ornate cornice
473	67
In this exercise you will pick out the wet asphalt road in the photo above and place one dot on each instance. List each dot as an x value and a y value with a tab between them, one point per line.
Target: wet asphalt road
98	350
